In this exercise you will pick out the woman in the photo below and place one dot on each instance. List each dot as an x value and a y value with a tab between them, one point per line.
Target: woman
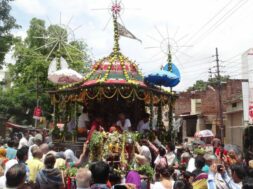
166	182
144	157
50	177
72	160
3	158
200	177
134	177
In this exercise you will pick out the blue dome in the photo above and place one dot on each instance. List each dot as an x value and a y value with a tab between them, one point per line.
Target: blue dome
175	71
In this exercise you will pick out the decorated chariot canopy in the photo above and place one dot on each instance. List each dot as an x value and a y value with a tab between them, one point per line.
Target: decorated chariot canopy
113	76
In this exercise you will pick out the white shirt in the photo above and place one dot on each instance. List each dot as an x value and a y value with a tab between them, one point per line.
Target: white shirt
159	185
126	126
171	157
30	141
30	156
83	118
142	126
191	165
9	164
2	181
23	142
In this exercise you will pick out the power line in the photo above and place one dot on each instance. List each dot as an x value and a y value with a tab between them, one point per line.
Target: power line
209	21
227	15
241	73
234	56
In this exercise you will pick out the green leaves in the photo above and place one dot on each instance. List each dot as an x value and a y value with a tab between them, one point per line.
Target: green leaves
7	24
29	73
201	85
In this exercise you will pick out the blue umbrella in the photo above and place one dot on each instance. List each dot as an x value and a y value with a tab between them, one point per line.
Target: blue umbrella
175	70
161	78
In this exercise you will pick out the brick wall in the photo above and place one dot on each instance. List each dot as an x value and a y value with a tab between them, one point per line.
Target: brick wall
209	98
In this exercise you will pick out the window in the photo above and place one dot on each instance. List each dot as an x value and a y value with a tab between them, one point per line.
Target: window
191	126
234	105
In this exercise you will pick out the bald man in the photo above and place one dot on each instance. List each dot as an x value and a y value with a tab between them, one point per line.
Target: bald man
83	178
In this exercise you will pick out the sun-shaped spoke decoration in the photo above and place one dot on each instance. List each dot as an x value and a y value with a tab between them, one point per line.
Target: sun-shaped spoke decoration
165	45
59	38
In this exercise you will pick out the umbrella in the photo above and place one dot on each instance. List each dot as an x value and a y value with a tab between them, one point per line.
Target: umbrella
198	142
65	76
204	134
174	70
161	78
233	147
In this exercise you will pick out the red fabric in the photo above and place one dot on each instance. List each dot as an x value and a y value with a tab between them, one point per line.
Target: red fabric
218	151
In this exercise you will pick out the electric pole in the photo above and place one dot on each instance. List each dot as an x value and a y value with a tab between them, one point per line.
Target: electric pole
219	97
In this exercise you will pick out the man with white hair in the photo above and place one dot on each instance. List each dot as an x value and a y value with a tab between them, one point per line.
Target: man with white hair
83	178
37	142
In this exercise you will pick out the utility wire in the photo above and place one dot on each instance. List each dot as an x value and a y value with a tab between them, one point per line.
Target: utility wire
241	73
209	21
226	16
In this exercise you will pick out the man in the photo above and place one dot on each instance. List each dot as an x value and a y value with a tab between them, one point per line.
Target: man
100	174
21	159
143	125
219	179
83	178
170	155
37	142
95	126
15	176
35	164
44	149
31	138
22	156
123	122
83	121
23	139
11	151
209	161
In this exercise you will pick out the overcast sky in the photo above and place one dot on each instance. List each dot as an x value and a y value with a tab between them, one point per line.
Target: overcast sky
197	25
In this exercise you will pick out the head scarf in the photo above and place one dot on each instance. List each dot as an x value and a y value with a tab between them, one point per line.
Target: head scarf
146	153
2	153
70	156
133	177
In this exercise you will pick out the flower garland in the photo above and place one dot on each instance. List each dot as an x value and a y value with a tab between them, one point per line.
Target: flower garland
151	107
109	97
125	97
159	116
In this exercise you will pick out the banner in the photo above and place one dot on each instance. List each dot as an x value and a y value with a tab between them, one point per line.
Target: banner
37	113
126	33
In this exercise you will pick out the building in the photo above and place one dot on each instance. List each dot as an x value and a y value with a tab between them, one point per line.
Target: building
247	73
200	111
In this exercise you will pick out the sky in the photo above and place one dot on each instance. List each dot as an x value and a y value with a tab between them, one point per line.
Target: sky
193	27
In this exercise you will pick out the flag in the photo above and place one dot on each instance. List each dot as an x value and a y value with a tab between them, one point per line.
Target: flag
126	33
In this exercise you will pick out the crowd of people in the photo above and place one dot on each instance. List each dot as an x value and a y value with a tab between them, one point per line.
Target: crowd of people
28	160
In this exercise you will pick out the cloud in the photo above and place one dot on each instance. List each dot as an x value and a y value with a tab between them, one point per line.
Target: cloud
180	18
32	7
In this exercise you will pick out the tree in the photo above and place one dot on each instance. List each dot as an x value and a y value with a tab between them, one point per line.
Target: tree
201	85
29	74
35	33
7	23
